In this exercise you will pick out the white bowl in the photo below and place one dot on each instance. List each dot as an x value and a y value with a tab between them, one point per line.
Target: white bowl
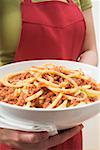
62	118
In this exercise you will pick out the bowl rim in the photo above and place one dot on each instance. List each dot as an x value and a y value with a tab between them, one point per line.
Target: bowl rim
3	104
50	109
54	60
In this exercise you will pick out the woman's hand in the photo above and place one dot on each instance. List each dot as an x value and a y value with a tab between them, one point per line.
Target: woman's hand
35	141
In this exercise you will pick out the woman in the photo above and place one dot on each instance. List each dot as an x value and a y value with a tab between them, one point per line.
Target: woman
49	30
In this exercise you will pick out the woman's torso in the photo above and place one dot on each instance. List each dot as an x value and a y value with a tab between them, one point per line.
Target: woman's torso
11	27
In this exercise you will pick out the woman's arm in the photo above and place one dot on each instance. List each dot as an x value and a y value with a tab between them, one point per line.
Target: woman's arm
10	24
10	29
35	141
89	53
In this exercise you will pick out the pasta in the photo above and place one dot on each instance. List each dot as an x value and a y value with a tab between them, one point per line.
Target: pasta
49	86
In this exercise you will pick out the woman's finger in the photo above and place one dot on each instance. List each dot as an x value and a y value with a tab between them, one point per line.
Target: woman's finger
35	137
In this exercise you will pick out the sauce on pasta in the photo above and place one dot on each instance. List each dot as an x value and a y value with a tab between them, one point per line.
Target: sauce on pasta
49	86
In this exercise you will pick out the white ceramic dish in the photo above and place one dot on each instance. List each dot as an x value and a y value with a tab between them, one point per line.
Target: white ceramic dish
62	118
